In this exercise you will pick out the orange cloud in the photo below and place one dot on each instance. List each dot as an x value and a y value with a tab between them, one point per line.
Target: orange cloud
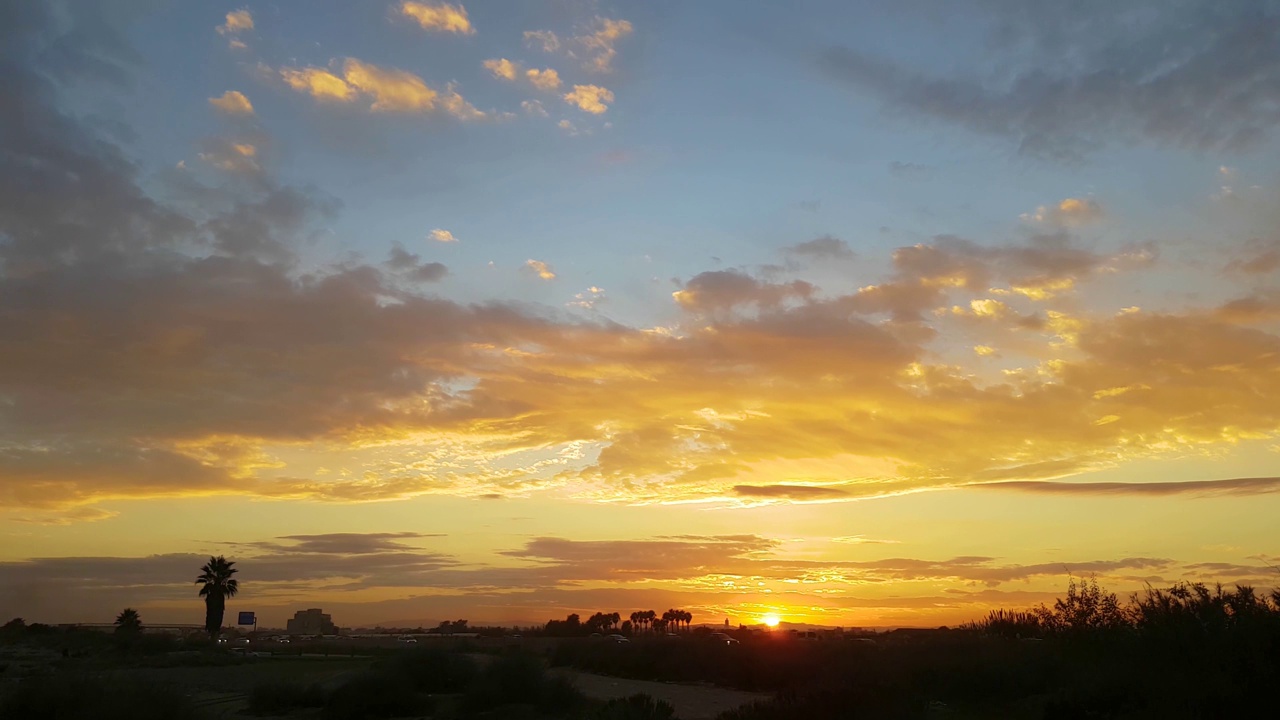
237	21
547	79
389	89
320	84
231	156
600	43
541	269
502	68
232	102
441	17
589	98
1068	213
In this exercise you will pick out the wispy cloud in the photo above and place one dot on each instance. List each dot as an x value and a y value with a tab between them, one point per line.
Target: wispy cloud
389	89
1204	488
440	17
232	102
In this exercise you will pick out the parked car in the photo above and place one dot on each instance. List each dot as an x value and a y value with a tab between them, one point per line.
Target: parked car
618	638
723	638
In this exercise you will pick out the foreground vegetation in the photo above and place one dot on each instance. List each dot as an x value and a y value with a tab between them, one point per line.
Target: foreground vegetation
1189	651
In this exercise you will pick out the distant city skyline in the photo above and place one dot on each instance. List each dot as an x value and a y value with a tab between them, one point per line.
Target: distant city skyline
849	313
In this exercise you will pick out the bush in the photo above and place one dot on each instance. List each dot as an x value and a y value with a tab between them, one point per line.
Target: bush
282	697
433	670
635	707
374	695
74	697
514	679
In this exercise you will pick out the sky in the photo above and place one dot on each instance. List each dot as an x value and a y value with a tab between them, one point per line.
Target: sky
859	313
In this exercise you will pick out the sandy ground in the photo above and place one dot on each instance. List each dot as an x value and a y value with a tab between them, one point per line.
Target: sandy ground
691	702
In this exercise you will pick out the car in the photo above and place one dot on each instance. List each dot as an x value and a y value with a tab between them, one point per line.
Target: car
619	638
407	640
723	638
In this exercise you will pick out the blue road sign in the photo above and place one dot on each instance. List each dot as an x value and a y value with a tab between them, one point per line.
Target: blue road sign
248	618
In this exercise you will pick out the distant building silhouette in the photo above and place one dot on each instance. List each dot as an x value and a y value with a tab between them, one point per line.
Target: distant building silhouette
311	622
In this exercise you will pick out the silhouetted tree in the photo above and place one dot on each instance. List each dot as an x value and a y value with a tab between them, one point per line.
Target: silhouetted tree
128	622
15	625
649	618
216	585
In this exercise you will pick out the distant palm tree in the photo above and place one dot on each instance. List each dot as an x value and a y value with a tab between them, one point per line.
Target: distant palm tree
128	622
650	617
687	617
637	619
669	617
613	620
216	585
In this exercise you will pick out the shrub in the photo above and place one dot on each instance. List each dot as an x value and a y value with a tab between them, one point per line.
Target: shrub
282	697
374	695
433	670
513	679
73	697
635	707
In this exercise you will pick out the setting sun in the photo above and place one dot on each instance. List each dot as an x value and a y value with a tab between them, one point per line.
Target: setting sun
771	620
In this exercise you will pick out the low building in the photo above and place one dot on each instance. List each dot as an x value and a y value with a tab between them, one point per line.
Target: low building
311	622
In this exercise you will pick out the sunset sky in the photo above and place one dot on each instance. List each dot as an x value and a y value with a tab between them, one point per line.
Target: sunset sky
860	313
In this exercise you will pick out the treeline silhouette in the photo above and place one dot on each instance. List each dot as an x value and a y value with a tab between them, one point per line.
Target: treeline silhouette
640	622
1187	651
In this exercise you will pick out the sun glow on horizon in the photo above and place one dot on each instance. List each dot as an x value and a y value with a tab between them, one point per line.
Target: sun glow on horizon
771	620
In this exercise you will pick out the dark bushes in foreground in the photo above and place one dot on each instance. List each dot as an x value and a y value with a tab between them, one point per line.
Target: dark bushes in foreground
282	697
375	695
75	697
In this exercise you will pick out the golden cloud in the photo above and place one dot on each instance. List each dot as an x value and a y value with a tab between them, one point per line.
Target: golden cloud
547	79
589	98
231	156
389	89
541	269
236	21
232	102
600	41
443	236
319	83
502	68
1070	212
546	40
392	90
442	17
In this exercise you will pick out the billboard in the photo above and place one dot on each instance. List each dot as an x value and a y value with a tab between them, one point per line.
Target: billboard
247	618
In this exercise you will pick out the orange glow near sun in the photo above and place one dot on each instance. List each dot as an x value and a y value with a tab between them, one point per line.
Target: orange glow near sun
771	620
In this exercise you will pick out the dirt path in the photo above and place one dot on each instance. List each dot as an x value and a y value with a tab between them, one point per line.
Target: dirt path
691	702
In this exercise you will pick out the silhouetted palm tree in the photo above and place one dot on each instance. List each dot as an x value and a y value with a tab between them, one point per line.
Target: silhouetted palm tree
216	585
687	617
637	619
669	618
128	622
650	617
